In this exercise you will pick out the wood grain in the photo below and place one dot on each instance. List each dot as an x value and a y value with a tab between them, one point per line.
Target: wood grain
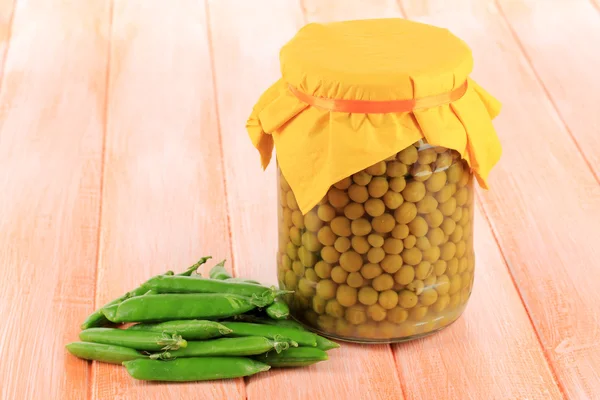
51	109
544	32
487	338
246	46
543	205
163	204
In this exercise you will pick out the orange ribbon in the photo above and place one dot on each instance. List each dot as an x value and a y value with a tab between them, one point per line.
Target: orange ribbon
380	107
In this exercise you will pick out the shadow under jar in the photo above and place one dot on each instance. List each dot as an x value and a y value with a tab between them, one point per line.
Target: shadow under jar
387	254
380	136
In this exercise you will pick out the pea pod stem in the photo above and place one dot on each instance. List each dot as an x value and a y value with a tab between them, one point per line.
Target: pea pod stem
176	306
194	268
194	368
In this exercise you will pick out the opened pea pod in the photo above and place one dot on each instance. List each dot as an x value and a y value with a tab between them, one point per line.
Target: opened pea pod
260	296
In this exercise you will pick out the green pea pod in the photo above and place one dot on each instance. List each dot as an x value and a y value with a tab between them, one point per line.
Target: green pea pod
241	280
174	306
188	329
103	352
219	272
294	357
242	346
303	338
278	310
139	340
194	369
97	318
322	342
260	296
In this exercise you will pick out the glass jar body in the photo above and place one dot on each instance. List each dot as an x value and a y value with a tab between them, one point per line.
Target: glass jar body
387	255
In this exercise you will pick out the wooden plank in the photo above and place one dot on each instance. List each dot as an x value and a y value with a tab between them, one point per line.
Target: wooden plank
564	28
487	338
51	128
164	199
246	45
544	205
494	336
6	18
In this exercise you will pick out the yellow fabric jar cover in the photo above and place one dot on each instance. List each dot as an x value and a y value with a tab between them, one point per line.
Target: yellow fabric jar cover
374	60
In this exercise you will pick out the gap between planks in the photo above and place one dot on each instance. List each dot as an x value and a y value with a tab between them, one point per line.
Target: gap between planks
211	53
91	370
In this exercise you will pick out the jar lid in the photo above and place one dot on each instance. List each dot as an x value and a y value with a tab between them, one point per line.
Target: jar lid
381	59
356	92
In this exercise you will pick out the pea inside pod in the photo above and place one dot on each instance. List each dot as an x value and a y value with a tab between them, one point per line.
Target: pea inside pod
194	368
139	340
188	329
177	306
103	352
260	296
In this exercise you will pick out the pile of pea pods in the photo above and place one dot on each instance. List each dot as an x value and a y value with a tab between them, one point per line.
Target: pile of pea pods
190	328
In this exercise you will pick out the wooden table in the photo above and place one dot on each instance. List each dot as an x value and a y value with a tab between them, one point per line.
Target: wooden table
123	153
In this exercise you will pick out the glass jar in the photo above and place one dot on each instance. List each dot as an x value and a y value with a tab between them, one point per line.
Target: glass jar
387	254
380	134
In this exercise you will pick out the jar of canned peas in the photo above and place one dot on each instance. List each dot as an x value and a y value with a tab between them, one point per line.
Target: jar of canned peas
380	134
